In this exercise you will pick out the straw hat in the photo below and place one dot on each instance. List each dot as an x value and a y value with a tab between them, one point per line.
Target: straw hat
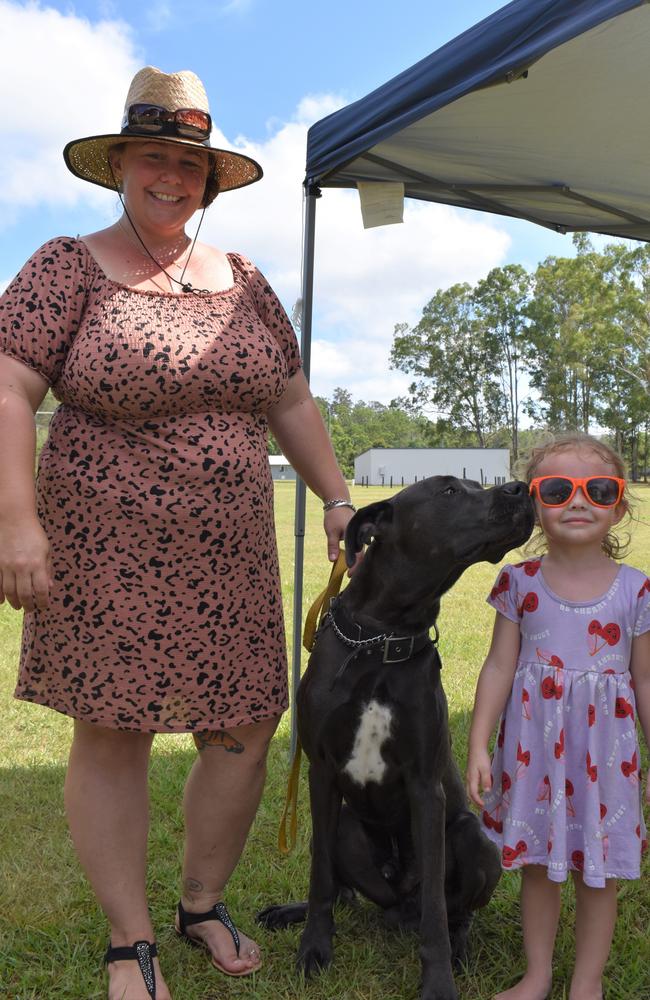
88	158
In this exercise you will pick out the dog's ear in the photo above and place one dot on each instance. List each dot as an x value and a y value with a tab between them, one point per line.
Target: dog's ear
366	524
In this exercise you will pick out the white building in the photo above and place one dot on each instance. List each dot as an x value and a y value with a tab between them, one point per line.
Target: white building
281	468
402	466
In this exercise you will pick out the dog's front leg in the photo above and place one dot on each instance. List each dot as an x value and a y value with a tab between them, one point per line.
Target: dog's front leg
315	951
427	799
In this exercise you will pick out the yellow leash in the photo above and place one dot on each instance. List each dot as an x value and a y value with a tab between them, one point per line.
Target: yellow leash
312	621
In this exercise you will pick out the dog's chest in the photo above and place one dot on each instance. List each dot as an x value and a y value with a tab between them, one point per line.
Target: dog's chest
366	762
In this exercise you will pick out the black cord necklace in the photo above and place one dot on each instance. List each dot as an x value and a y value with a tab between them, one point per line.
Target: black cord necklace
185	286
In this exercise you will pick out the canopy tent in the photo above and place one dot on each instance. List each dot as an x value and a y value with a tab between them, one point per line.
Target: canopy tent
535	113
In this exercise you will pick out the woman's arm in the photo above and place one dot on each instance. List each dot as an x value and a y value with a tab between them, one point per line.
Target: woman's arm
24	548
298	428
640	670
492	692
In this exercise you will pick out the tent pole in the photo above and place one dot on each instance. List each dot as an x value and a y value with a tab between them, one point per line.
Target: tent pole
311	194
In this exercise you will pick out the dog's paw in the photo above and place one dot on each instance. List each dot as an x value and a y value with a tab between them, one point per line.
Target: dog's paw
459	942
313	958
441	993
278	918
438	984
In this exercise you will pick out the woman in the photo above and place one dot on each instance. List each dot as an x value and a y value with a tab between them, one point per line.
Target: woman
146	561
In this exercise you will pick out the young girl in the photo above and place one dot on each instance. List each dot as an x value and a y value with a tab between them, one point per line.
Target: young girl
568	671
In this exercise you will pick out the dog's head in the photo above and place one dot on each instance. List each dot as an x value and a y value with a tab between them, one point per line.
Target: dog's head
438	527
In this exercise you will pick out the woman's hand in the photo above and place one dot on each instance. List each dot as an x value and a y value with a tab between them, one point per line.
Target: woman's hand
335	522
25	570
479	775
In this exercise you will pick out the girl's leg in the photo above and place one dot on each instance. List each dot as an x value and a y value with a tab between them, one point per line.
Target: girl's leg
222	794
107	804
595	920
540	912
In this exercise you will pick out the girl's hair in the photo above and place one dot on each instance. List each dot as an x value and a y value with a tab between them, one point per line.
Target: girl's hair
612	545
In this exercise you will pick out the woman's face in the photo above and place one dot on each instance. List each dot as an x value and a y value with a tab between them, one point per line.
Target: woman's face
162	183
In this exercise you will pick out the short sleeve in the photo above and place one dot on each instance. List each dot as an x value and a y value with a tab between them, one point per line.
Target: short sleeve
503	596
41	309
271	312
642	621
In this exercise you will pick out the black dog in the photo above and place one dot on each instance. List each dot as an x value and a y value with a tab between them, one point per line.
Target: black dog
372	719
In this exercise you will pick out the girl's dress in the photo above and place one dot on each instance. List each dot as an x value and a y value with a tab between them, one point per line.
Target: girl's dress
155	491
566	779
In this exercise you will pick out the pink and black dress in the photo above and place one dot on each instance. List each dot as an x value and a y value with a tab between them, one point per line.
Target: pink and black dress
155	492
566	773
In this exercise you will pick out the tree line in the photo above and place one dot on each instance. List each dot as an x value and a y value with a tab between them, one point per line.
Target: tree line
566	347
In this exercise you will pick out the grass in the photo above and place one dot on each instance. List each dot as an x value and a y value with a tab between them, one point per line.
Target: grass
52	935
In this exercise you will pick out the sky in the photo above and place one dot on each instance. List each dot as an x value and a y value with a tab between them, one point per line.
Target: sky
271	69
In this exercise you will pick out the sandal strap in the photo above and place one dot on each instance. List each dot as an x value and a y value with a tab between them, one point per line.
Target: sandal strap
141	952
218	912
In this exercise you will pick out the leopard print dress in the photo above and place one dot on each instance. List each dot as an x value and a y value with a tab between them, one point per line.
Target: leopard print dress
155	492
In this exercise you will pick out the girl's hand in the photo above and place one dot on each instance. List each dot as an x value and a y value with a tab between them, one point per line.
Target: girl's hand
25	570
479	775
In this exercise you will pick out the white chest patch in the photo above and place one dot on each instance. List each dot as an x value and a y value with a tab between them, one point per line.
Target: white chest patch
366	763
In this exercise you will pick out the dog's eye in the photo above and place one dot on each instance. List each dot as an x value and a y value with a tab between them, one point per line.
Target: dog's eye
450	490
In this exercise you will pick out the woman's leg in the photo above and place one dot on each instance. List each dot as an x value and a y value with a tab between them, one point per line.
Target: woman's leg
595	921
221	798
107	804
540	912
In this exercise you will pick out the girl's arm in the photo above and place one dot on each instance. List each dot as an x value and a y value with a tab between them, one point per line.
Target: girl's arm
24	548
492	692
298	427
640	670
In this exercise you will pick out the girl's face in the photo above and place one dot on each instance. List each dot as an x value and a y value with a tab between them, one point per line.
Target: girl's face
578	522
162	183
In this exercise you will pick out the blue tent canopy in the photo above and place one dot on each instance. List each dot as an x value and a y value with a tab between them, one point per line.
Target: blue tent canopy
539	111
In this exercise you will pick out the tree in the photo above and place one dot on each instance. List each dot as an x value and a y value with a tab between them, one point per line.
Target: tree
572	325
501	302
454	362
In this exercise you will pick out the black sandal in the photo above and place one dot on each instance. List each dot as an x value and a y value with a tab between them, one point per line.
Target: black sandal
141	952
219	913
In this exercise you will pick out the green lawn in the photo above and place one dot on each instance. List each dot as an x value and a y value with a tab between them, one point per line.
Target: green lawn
52	936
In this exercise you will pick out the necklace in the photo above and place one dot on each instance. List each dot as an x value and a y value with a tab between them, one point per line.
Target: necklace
129	233
185	286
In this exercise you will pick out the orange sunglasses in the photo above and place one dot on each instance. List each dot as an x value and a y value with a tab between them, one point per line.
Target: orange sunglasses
556	491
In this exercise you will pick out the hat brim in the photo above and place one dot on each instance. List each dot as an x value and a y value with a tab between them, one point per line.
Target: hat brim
87	158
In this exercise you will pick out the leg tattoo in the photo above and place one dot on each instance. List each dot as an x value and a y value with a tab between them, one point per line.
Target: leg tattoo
217	739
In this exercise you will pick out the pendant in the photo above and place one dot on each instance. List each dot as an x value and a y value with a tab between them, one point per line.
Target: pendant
187	287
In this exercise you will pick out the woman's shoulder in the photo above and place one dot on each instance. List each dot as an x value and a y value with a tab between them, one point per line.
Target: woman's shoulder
60	248
58	261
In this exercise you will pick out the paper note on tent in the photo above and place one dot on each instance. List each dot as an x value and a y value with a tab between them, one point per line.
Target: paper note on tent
382	203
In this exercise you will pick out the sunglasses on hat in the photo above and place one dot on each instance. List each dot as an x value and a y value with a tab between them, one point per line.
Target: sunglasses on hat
556	491
188	123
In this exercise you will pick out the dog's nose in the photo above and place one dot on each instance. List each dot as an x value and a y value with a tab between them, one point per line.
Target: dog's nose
515	489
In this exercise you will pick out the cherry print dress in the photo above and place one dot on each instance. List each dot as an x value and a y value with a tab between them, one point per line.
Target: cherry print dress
155	492
566	782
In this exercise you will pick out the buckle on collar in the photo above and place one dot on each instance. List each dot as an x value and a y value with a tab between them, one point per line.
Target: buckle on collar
398	648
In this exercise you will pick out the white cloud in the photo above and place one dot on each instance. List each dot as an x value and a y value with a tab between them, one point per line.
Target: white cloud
366	281
59	71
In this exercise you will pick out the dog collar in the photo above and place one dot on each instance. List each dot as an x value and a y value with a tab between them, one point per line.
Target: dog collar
394	648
